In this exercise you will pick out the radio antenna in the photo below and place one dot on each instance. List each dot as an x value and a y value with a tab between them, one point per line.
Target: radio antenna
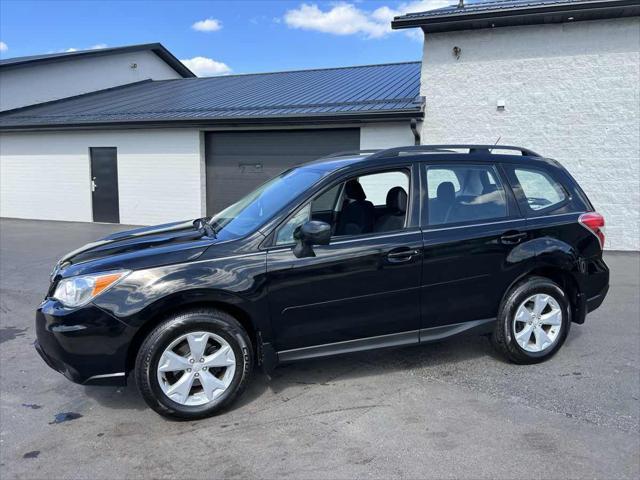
494	145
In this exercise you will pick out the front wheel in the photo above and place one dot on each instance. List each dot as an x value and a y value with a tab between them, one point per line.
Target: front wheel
194	364
533	321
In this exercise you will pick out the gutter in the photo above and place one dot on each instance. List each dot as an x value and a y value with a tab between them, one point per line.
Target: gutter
457	18
227	122
416	133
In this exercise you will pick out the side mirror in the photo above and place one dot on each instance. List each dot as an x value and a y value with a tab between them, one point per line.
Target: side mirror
309	234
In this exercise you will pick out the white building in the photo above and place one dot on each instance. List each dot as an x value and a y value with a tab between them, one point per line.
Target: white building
560	77
172	148
42	78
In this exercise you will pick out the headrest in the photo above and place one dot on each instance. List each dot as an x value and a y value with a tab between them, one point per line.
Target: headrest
446	192
354	190
489	189
397	200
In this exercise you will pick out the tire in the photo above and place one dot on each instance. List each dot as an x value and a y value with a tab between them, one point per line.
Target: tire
210	332
510	335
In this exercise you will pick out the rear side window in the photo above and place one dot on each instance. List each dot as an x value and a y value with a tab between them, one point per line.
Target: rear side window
464	193
438	176
539	189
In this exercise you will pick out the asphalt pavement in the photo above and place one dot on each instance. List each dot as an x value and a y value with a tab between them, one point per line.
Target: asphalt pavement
454	409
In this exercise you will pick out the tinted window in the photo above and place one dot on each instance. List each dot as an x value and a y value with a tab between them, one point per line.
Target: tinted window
539	189
356	216
439	175
464	194
327	200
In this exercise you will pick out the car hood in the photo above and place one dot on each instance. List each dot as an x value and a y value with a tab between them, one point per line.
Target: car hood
135	249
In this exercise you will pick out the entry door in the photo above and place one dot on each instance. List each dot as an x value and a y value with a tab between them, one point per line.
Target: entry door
359	291
473	244
352	294
104	184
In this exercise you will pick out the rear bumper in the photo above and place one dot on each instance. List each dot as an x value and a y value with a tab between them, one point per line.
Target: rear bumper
87	345
586	304
595	301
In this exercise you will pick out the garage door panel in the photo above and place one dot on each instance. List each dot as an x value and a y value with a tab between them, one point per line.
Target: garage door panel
238	162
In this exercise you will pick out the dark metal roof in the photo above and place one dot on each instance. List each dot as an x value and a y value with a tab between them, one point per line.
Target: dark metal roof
156	48
305	96
501	13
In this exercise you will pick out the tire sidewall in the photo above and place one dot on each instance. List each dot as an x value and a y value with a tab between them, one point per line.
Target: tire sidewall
195	322
521	294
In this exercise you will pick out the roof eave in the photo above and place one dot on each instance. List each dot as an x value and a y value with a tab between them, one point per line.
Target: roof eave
156	48
389	115
173	62
588	10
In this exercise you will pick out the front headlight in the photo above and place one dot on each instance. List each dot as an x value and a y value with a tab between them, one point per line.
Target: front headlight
77	291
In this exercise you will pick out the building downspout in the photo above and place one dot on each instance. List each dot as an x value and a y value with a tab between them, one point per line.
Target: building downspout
416	133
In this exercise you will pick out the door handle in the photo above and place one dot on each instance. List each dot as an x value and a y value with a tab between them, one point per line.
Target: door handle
402	254
513	237
93	184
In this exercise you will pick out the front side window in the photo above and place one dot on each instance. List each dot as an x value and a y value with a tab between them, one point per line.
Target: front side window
464	193
285	233
539	189
377	186
366	204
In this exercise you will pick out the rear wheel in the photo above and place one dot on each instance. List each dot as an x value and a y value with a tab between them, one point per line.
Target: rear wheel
194	364
533	321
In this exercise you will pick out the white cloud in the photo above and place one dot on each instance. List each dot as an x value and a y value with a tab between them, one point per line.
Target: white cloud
341	19
206	67
98	46
208	25
3	47
347	19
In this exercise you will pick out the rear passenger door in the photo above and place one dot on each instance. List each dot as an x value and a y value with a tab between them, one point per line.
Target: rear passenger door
472	232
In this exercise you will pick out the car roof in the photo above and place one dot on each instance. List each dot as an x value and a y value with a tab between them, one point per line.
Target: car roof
431	153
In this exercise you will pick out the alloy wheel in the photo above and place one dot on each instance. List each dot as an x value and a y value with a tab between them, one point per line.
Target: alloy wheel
196	368
537	323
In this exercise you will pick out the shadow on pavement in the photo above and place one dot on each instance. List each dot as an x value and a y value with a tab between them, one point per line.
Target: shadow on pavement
325	370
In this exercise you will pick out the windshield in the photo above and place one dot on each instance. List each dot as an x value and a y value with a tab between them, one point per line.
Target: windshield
252	211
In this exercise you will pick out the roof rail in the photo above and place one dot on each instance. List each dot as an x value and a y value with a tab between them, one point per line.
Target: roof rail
389	152
347	153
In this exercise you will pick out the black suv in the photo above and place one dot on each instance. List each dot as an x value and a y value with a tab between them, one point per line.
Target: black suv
351	252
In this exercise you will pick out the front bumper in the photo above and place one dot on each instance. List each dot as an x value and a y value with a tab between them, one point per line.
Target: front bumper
86	345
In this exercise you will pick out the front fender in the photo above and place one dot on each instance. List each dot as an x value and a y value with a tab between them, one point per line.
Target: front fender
238	281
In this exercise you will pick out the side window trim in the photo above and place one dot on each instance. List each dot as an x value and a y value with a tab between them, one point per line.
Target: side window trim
520	196
412	217
513	210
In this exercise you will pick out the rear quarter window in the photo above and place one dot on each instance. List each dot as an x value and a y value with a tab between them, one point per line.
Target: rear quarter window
540	190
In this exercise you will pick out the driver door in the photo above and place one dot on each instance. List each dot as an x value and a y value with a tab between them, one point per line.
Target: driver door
360	291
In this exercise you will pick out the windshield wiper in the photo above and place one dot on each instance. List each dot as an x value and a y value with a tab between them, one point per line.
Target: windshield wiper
205	227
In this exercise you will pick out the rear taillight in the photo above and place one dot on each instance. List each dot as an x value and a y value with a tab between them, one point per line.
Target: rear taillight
594	222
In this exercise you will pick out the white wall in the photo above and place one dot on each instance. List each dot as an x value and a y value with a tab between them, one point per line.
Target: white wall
47	175
27	85
571	92
386	135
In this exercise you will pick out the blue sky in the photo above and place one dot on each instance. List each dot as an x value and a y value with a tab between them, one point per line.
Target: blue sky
217	37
